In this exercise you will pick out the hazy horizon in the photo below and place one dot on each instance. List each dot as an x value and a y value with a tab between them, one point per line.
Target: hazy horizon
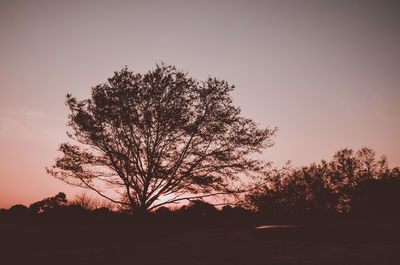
327	74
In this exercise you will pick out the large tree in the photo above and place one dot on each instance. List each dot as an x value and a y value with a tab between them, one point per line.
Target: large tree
159	134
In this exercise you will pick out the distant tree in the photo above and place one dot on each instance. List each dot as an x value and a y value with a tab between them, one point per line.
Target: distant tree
352	181
159	134
102	211
199	208
348	169
235	213
163	211
49	203
18	210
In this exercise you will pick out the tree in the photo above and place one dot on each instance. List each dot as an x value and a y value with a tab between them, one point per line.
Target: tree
48	204
352	182
18	210
159	134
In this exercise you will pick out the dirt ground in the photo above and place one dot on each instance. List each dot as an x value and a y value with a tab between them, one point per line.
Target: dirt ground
121	244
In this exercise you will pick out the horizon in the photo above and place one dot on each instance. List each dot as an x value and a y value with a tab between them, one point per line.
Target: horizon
326	74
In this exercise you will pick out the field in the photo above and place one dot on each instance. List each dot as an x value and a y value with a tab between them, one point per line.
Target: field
344	243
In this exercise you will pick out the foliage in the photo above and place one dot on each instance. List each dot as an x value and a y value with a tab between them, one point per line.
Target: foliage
346	182
18	210
49	203
198	209
160	134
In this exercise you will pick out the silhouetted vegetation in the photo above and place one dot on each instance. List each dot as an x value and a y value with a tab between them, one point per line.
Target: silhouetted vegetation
18	211
344	212
86	210
159	134
197	233
48	204
353	184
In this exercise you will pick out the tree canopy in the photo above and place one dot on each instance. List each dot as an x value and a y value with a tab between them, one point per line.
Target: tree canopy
350	182
159	134
49	203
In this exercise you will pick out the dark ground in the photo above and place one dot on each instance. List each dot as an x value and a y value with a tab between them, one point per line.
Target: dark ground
344	243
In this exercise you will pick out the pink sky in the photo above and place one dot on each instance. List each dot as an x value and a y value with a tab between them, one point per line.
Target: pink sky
326	74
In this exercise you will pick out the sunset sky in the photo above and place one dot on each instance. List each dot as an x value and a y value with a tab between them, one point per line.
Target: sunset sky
326	73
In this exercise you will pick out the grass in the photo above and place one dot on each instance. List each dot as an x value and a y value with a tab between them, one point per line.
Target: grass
340	243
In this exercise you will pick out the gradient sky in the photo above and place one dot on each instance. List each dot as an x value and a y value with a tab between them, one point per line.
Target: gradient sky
327	74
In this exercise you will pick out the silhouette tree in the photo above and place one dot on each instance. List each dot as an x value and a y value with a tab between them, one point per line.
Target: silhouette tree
49	203
18	210
353	182
199	208
159	134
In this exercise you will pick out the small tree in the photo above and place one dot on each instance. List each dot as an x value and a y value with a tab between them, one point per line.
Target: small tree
49	203
159	134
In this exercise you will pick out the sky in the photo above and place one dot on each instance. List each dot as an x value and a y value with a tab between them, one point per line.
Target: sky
326	73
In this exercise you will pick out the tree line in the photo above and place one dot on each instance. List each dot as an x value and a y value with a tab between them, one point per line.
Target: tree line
353	185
